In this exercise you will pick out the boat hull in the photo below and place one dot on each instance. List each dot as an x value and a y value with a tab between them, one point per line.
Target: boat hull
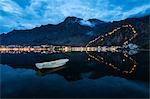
52	64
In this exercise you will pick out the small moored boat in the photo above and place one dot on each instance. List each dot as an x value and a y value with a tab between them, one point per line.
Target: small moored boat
52	64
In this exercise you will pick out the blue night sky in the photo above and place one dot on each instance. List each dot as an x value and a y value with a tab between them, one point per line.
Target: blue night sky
27	14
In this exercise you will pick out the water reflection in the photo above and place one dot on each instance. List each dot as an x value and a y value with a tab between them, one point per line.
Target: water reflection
132	52
43	72
80	66
116	60
125	65
23	83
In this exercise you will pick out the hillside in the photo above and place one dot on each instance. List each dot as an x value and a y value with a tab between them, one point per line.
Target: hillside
77	32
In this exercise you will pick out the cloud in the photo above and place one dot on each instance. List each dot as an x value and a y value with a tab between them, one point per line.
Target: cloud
136	10
86	23
10	7
25	83
41	12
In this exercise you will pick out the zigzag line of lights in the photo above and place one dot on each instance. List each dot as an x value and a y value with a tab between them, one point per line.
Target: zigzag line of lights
101	59
101	37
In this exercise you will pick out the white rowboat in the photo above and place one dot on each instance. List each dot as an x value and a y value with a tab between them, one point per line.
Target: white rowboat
52	64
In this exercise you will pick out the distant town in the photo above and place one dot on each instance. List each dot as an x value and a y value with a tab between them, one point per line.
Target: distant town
52	49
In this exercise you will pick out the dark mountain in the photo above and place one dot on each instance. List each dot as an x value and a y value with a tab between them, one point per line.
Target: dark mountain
142	26
67	32
71	32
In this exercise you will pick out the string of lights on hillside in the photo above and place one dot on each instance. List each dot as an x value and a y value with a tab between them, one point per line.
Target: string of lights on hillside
101	59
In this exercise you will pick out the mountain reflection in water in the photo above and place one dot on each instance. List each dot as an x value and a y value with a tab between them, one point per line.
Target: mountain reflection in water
80	77
81	64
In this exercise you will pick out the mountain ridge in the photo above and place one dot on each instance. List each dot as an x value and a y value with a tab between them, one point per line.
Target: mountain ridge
72	32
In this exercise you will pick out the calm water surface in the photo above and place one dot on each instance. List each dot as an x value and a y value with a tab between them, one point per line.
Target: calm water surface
80	77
